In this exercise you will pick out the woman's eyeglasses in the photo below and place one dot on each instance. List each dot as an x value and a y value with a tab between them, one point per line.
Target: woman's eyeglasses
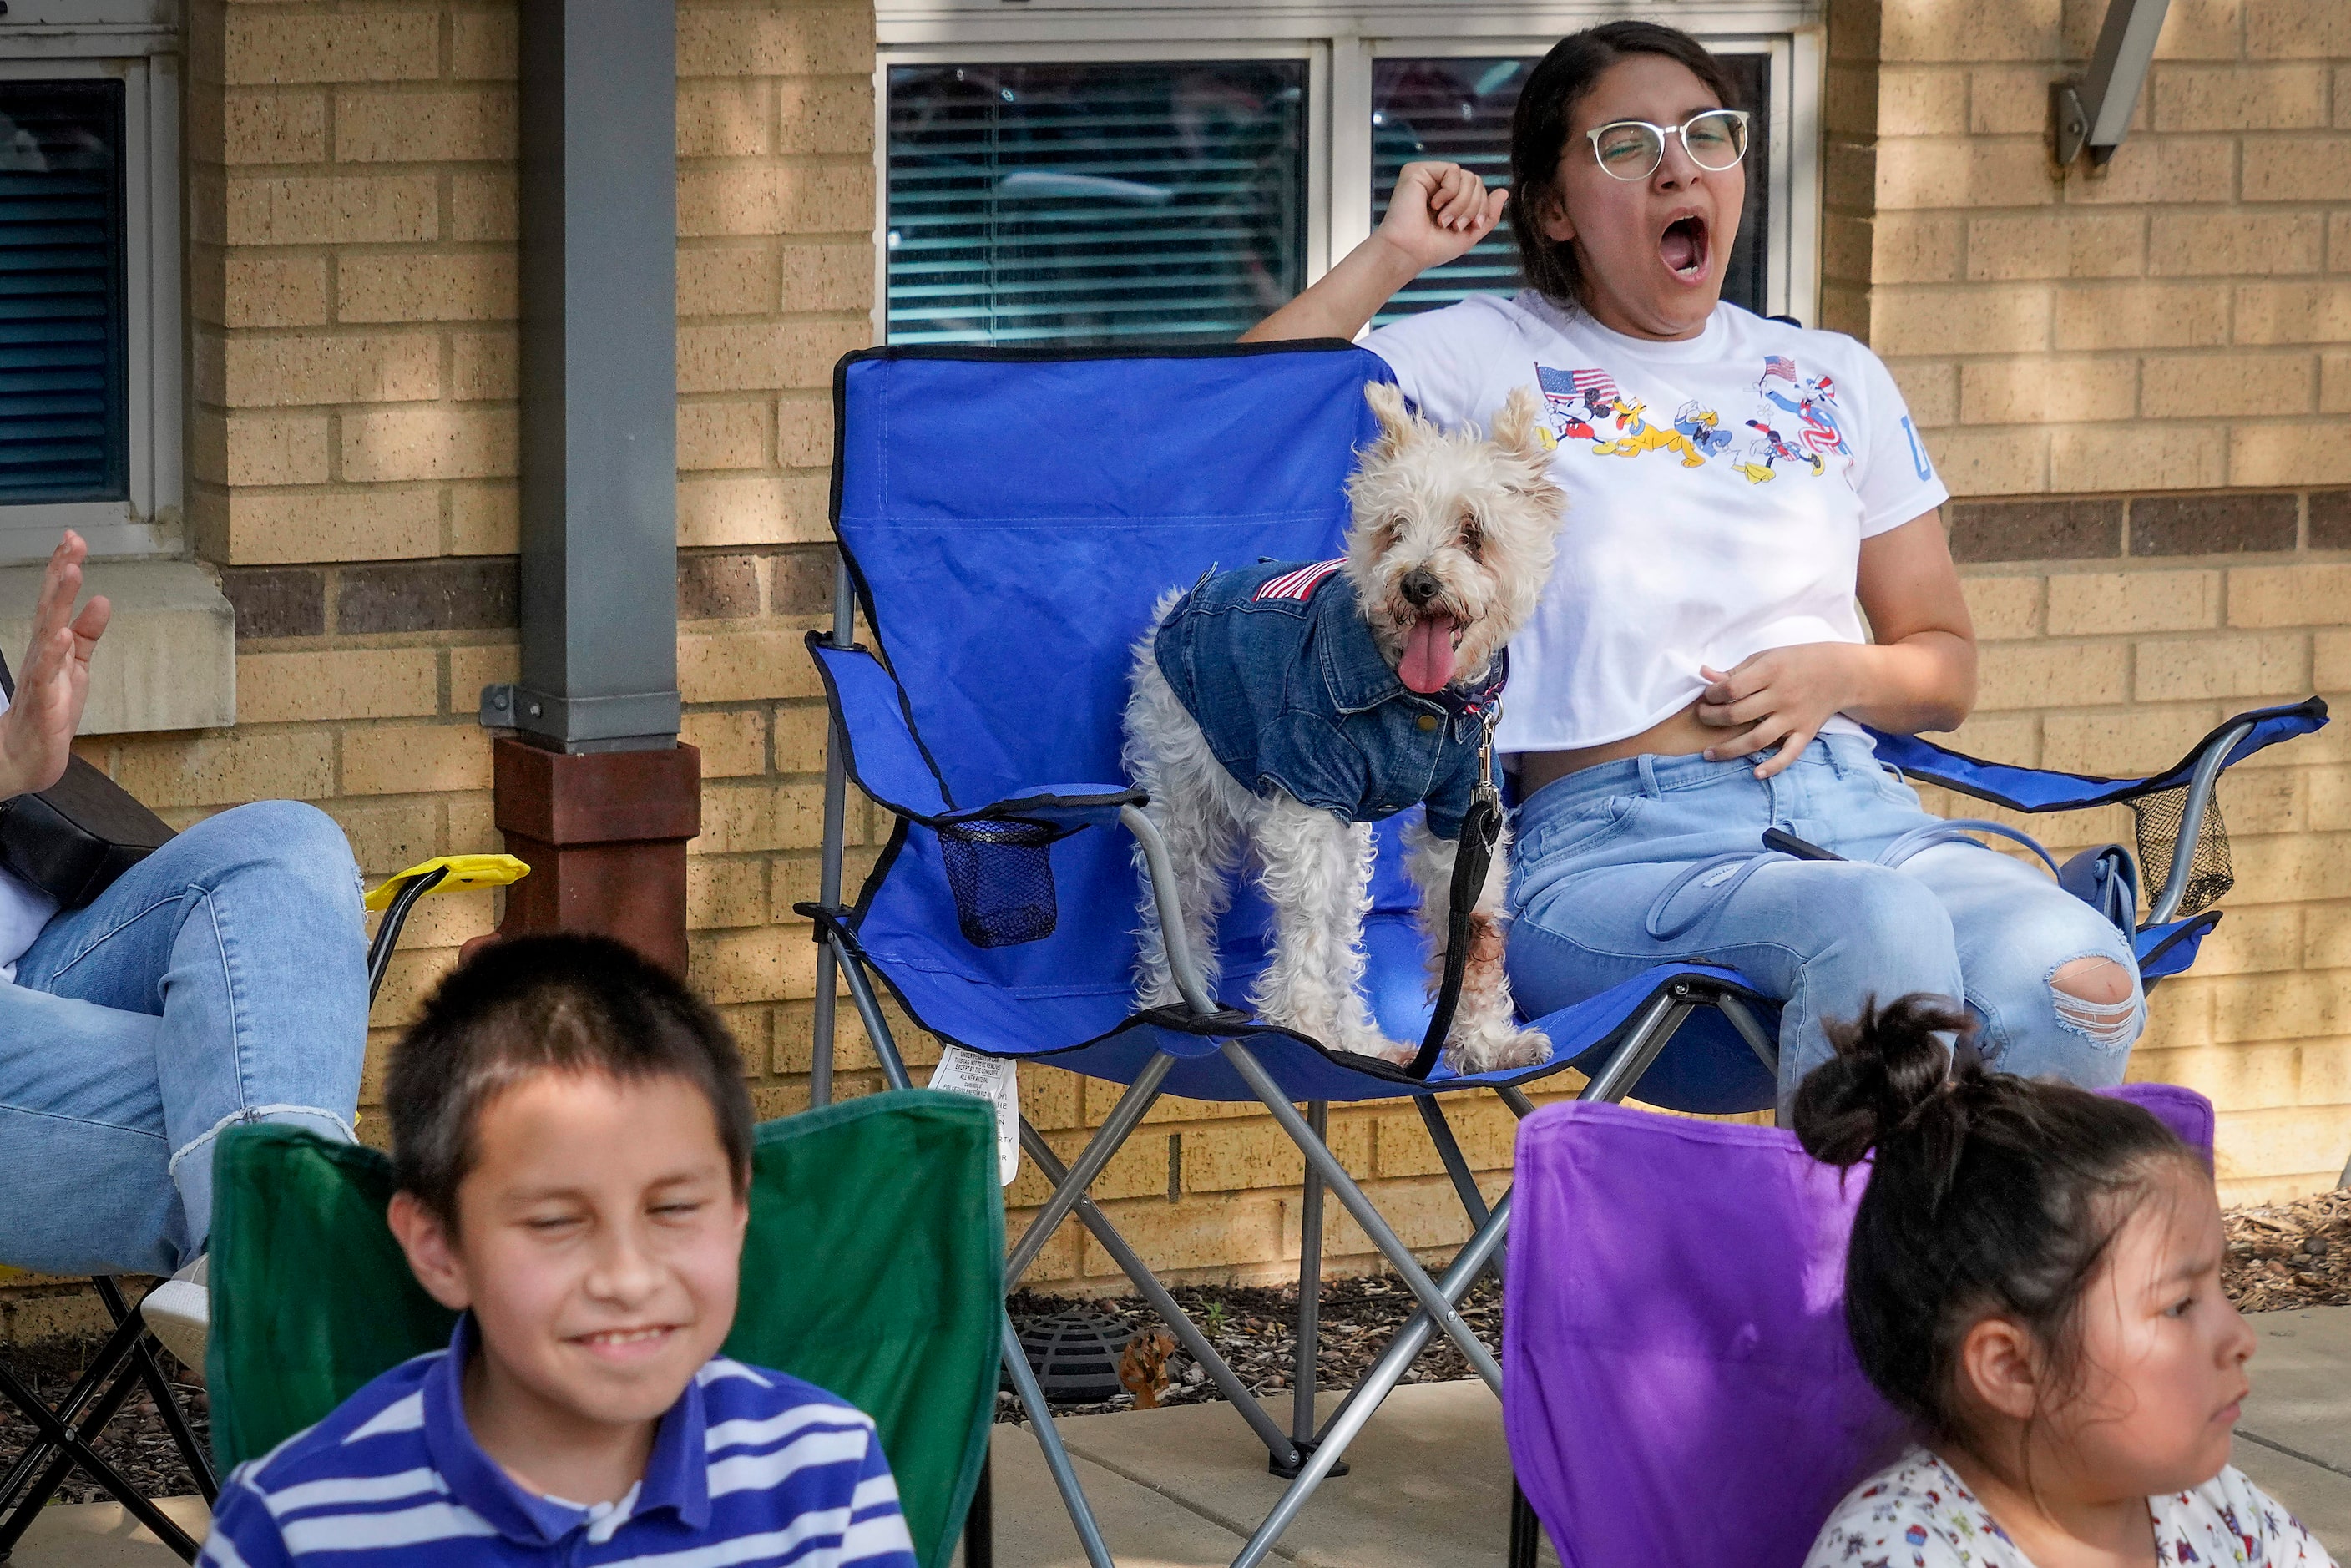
1714	139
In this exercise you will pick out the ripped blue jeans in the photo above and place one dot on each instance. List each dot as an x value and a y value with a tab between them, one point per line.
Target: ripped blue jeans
1601	887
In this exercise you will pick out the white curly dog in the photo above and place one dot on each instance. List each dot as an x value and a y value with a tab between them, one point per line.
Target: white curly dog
1451	542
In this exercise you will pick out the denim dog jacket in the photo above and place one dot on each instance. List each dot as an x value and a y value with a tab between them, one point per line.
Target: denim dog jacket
1277	665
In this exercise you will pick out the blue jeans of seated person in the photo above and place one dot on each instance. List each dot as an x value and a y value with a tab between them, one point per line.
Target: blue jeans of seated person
222	979
1595	855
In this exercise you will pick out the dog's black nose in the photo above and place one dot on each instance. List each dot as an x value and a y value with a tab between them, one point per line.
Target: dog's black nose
1418	587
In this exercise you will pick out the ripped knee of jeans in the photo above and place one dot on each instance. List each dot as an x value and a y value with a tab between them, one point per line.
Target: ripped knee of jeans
2098	999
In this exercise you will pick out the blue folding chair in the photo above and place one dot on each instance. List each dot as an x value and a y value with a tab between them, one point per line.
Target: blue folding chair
1006	521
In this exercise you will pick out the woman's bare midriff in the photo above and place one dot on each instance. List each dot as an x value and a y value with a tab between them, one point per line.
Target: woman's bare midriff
1680	735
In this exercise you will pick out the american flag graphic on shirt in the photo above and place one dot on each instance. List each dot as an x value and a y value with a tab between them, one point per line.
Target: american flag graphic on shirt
1781	366
1582	384
1298	585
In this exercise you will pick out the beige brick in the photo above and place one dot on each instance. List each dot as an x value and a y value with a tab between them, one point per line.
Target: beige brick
1990	320
725	893
2138	740
2160	169
261	371
429	443
2238	98
2003	608
1990	462
730	119
2296	169
2008	100
2201	30
2311	452
1486	1130
744	818
822	116
1931	388
2326	937
2307	594
2143	457
2323	1072
801	734
2141	315
1972	172
469	286
263	45
1197	1234
484	207
2266	801
1915	247
2006	30
2068	244
804	430
343	683
2281	1007
734	277
1138	1170
338	210
2234	1078
2203	386
2087	604
775	199
272	449
472	668
229	769
415	759
379	523
2179	1017
804	40
744	666
761	508
723	435
273	291
2186	669
1422	1210
1233	1156
747	356
472	125
2043	390
2296	29
2331	660
2012	738
2234	244
273	127
2328	794
2294	313
732	743
485	365
2034	674
1928	101
762	963
485	519
482	44
2335	383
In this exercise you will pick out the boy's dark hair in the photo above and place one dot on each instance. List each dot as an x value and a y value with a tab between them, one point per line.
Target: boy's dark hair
1539	128
1992	1196
558	1003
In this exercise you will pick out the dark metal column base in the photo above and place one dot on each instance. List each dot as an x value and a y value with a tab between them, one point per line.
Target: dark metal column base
1306	1446
605	833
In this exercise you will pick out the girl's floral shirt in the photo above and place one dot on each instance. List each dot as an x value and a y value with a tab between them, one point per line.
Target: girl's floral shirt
1917	1514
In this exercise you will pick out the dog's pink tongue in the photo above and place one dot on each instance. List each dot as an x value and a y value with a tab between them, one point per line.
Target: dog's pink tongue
1428	663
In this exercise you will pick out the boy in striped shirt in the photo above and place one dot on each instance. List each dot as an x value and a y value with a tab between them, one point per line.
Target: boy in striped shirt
572	1141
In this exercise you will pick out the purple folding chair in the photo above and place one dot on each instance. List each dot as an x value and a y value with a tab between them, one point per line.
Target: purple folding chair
1677	1387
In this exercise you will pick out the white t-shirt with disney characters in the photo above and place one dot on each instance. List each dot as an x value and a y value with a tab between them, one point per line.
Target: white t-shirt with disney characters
1719	491
1917	1514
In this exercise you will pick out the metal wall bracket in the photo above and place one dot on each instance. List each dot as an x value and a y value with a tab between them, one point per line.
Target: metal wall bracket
630	721
2096	112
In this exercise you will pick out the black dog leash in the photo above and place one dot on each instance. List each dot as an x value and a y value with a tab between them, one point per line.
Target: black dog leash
1481	827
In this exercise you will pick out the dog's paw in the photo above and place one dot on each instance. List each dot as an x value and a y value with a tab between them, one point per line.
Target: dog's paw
1376	1044
1498	1050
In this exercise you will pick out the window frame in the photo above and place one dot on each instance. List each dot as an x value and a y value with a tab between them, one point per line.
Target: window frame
1340	48
149	522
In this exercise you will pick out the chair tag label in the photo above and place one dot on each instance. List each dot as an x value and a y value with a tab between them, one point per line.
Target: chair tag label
992	1078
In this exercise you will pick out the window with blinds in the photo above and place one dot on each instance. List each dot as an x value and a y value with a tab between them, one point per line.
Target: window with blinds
1457	110
64	412
1093	203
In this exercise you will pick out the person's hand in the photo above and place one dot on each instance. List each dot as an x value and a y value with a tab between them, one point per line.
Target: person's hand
1439	212
53	682
1779	697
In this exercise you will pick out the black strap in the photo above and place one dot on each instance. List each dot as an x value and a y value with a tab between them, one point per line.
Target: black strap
1481	826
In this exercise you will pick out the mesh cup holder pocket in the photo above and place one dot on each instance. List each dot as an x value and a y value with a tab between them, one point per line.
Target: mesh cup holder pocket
2210	875
1001	874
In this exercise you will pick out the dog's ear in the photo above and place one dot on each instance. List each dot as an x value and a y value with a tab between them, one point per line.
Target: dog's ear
1397	426
1519	429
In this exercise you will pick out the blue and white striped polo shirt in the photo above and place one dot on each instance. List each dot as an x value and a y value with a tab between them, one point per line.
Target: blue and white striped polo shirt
748	1468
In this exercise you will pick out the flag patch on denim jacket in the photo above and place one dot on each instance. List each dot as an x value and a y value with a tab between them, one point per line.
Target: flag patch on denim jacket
1277	665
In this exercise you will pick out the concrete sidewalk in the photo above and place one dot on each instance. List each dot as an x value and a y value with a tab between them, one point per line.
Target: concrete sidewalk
1431	1481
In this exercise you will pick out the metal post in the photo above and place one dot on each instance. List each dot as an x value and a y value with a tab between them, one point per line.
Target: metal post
1643	1041
836	817
1309	1285
877	1028
1448	1150
599	373
1057	1457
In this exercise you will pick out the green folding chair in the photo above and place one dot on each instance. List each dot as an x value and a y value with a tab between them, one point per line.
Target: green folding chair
874	1267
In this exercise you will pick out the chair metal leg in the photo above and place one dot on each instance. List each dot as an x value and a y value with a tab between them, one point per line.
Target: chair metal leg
1124	1118
1305	1374
1359	1406
1057	1457
869	1013
1407	1267
836	817
62	1446
159	1389
1526	1529
1448	1149
979	1520
1642	1042
1187	1333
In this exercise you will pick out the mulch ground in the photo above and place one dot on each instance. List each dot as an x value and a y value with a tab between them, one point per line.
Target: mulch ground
2294	1254
135	1442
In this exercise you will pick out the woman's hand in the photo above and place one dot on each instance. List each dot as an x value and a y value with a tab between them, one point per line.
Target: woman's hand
53	682
1779	697
1437	212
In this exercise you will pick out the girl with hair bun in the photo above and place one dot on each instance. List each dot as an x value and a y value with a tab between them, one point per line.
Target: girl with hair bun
2034	1279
